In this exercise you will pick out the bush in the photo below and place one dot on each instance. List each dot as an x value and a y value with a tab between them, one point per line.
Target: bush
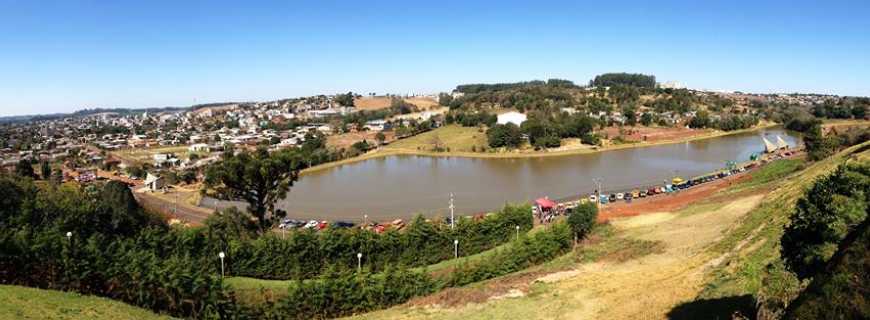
528	251
823	216
504	135
583	219
307	254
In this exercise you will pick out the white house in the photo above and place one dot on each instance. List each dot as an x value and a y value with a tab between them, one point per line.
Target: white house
154	183
512	117
198	147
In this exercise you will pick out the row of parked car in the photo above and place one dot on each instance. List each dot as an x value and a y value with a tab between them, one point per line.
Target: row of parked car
288	223
676	185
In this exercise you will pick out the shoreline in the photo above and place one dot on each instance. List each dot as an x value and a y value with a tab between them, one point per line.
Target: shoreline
380	153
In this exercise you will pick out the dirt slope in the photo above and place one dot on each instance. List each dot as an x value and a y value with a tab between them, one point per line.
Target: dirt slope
643	288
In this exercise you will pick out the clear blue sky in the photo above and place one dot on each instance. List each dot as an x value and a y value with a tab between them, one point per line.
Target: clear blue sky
67	55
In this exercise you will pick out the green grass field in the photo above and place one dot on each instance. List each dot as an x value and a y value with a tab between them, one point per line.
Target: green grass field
30	303
454	137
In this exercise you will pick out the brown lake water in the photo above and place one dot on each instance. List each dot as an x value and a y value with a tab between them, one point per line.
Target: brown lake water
402	186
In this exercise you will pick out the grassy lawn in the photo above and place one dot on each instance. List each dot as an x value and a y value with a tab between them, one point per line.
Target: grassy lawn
146	154
30	303
254	291
454	137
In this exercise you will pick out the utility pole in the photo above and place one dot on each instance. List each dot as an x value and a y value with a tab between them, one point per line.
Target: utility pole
597	181
452	219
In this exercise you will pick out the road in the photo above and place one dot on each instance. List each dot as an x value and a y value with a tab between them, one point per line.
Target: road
172	209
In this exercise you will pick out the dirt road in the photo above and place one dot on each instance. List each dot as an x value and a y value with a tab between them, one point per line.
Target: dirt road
173	209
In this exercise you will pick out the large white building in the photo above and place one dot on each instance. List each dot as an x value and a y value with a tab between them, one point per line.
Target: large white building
512	117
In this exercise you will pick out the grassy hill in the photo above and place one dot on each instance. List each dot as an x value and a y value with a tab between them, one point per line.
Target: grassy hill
30	303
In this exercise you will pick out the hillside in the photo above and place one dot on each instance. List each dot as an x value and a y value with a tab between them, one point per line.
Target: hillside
702	261
29	303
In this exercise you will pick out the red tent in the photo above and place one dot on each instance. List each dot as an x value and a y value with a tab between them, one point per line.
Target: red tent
545	203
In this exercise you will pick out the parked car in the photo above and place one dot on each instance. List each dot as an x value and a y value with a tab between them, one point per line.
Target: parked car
398	224
322	225
311	224
635	193
612	197
642	194
343	224
593	198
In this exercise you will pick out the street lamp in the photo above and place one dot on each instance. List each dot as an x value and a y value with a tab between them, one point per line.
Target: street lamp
455	249
359	262
365	220
69	235
518	232
222	255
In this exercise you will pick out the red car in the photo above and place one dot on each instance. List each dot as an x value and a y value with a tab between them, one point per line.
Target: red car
322	225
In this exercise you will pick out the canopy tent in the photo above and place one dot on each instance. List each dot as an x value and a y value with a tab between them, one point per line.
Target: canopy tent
781	144
545	203
768	146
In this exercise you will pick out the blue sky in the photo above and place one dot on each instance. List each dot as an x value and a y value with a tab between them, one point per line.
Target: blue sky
67	55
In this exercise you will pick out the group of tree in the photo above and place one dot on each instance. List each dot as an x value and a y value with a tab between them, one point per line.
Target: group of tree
480	87
626	79
826	243
504	135
471	119
346	99
730	122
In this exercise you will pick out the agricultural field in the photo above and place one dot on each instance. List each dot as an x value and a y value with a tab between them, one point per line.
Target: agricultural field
30	303
377	103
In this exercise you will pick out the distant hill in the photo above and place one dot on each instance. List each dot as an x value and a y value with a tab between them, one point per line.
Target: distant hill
87	112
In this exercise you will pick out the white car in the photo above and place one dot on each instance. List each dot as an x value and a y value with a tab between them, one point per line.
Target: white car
593	198
620	196
311	224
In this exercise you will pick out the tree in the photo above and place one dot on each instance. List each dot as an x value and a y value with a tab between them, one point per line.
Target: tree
345	100
818	146
258	178
583	219
629	111
45	170
121	213
504	135
231	223
646	119
25	169
700	120
859	111
826	213
445	99
380	137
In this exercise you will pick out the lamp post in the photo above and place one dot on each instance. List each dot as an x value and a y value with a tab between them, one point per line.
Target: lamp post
518	232
455	249
69	235
365	220
359	262
597	181
222	255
